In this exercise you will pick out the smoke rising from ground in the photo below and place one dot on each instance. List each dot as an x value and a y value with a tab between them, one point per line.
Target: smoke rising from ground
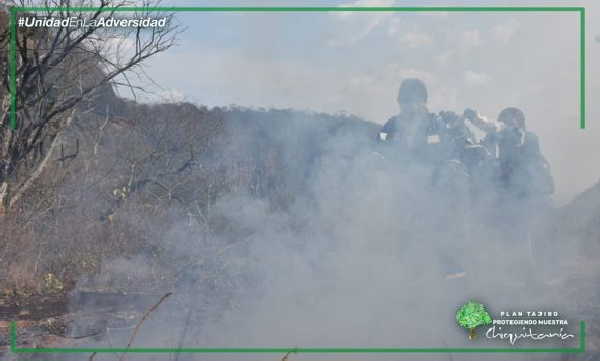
355	260
353	256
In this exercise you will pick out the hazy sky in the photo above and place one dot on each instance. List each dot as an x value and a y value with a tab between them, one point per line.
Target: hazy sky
355	62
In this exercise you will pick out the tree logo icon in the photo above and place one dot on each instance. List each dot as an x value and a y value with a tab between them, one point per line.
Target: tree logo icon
471	315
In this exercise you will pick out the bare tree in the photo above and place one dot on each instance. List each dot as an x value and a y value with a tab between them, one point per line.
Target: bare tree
59	70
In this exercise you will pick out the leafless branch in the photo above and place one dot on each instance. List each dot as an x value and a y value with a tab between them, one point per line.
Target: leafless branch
57	70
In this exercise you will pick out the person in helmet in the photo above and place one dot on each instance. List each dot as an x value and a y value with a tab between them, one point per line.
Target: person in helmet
409	130
429	142
522	169
422	136
523	184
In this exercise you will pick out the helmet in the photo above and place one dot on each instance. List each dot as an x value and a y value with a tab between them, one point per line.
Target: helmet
412	91
512	116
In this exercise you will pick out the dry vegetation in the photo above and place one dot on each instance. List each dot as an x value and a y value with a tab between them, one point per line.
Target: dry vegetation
120	174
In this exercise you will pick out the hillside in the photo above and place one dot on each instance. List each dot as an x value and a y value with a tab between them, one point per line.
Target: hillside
261	221
580	219
126	173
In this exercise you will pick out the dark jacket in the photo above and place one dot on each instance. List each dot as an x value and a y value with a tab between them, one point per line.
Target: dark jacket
523	170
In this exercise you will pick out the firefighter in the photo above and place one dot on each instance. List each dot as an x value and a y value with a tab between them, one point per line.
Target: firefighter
426	143
523	183
413	129
523	172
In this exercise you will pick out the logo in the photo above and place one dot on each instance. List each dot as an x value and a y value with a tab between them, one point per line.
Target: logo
513	326
471	315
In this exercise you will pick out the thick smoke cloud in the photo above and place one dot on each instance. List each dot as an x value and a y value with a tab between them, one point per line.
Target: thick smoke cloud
356	260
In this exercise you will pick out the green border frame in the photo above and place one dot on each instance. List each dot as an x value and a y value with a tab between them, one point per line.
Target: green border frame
580	10
283	350
13	123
